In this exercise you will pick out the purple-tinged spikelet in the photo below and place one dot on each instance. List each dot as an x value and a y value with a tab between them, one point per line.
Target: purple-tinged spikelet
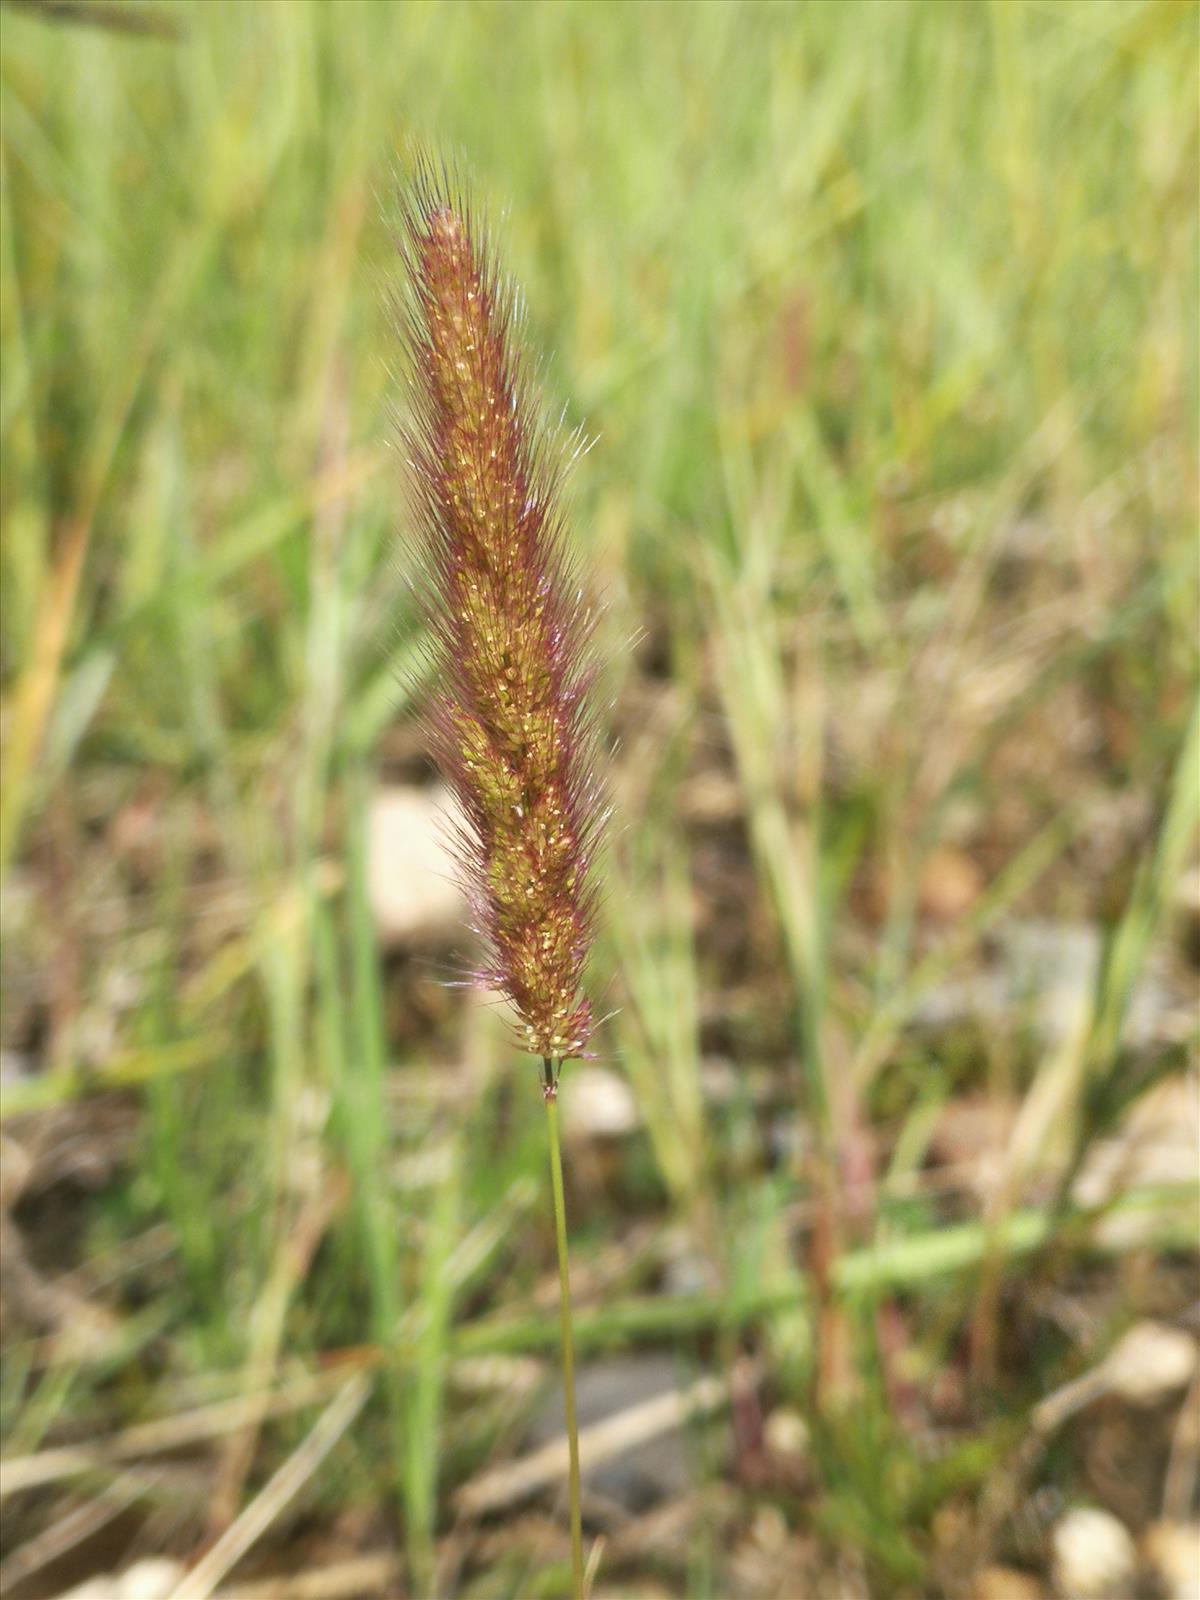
510	725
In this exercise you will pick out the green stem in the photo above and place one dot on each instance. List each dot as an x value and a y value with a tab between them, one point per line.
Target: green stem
550	1094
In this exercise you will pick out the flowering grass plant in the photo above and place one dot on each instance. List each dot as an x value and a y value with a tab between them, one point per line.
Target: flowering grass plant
511	721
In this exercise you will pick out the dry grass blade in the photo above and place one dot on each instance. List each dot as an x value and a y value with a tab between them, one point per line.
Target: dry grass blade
341	1580
154	1438
506	1485
33	695
290	1268
71	1530
277	1492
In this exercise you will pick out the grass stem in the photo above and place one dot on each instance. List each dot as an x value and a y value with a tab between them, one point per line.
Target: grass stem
550	1094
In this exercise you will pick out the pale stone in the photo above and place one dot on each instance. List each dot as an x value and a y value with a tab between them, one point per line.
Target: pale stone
410	873
152	1579
1172	1549
1006	1583
598	1103
1094	1556
1151	1363
785	1432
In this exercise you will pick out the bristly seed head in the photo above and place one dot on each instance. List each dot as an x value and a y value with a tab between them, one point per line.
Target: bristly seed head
511	724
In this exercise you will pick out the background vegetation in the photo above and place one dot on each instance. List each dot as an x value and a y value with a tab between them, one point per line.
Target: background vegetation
884	319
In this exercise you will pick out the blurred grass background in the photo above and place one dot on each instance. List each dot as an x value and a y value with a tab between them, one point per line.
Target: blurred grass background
883	317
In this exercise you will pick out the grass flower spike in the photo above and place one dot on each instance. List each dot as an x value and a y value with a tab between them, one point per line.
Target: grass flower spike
511	724
509	629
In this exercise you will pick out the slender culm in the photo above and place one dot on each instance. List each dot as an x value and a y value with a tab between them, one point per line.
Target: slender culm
510	724
509	629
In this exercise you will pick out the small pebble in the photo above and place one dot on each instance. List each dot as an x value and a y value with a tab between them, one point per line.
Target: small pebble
410	876
646	1473
598	1104
1094	1556
1006	1583
1172	1551
1152	1362
786	1432
152	1579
